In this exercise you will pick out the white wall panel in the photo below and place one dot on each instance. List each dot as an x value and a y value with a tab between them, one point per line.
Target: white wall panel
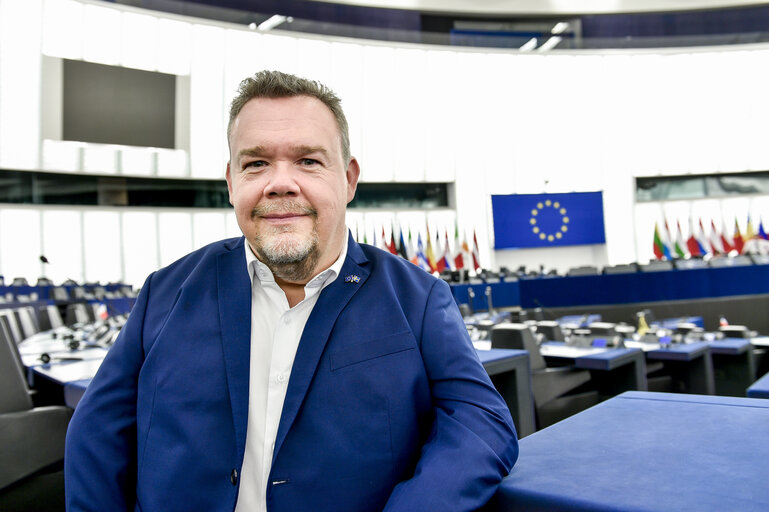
314	60
139	40
102	30
20	244
232	228
439	77
63	29
140	246
208	227
346	64
62	244
20	91
207	130
175	235
379	122
405	101
102	247
174	46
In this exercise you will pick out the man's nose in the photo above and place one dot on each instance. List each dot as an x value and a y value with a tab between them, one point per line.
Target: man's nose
282	181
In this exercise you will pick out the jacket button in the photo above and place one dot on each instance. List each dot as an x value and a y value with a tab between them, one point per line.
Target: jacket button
234	477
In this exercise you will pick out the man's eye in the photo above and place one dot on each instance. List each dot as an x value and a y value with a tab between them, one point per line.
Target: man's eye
308	161
255	163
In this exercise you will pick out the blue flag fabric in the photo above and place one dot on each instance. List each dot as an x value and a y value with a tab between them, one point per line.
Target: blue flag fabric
547	220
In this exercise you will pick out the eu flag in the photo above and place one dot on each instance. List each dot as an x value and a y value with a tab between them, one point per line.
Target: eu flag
546	220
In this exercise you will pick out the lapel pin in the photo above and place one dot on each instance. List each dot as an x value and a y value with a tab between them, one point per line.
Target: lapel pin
352	279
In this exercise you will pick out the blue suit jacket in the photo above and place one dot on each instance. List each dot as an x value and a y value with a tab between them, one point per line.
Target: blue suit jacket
387	406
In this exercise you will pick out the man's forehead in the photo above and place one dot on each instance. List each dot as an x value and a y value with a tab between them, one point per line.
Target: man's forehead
284	113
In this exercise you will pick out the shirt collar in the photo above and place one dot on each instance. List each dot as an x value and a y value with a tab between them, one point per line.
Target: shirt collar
259	270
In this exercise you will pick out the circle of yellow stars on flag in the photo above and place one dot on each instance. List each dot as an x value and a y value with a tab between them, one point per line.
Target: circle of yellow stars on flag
549	207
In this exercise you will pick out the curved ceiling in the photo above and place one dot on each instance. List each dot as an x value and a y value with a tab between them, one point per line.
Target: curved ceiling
548	7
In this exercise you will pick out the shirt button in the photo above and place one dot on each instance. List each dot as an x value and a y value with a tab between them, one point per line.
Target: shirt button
234	477
281	378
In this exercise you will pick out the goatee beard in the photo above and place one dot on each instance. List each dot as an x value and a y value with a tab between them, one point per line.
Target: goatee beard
288	258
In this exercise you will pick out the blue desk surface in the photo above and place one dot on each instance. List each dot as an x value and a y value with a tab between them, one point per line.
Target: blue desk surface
500	354
608	360
645	451
760	388
590	358
730	346
679	352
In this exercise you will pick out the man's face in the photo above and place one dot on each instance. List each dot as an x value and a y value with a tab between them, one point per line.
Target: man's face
289	184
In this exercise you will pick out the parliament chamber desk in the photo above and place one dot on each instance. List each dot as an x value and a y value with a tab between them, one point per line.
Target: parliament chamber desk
689	365
760	388
734	366
510	374
67	375
612	370
644	451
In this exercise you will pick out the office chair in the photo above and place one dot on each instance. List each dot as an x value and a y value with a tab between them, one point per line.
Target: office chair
558	392
587	270
48	317
77	314
32	440
551	330
27	320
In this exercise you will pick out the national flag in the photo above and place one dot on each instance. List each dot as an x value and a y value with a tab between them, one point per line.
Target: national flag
667	244
443	262
678	245
411	252
761	232
459	258
389	245
750	233
739	242
429	253
703	240
692	243
658	246
421	256
403	251
715	240
476	254
727	243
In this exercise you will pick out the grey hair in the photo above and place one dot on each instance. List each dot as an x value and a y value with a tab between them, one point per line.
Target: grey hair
275	84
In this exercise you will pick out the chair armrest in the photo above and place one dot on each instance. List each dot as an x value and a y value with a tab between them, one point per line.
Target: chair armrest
31	440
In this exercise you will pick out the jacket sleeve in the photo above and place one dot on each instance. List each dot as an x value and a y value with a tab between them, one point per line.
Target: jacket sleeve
473	443
100	451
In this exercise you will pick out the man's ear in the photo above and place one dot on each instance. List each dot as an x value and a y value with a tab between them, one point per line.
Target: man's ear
353	173
228	179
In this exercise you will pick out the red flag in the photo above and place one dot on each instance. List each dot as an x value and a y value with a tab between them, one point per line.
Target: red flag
476	254
459	248
739	242
726	242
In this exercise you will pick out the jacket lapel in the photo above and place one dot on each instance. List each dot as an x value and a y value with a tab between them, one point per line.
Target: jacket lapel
316	332
234	293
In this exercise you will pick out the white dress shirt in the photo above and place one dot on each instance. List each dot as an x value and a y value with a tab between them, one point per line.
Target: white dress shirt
275	333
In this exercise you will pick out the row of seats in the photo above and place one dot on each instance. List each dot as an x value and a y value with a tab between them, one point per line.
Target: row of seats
31	436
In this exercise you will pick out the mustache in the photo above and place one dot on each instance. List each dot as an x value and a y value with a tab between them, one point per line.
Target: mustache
283	207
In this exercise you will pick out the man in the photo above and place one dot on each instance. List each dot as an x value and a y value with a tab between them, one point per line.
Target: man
291	369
